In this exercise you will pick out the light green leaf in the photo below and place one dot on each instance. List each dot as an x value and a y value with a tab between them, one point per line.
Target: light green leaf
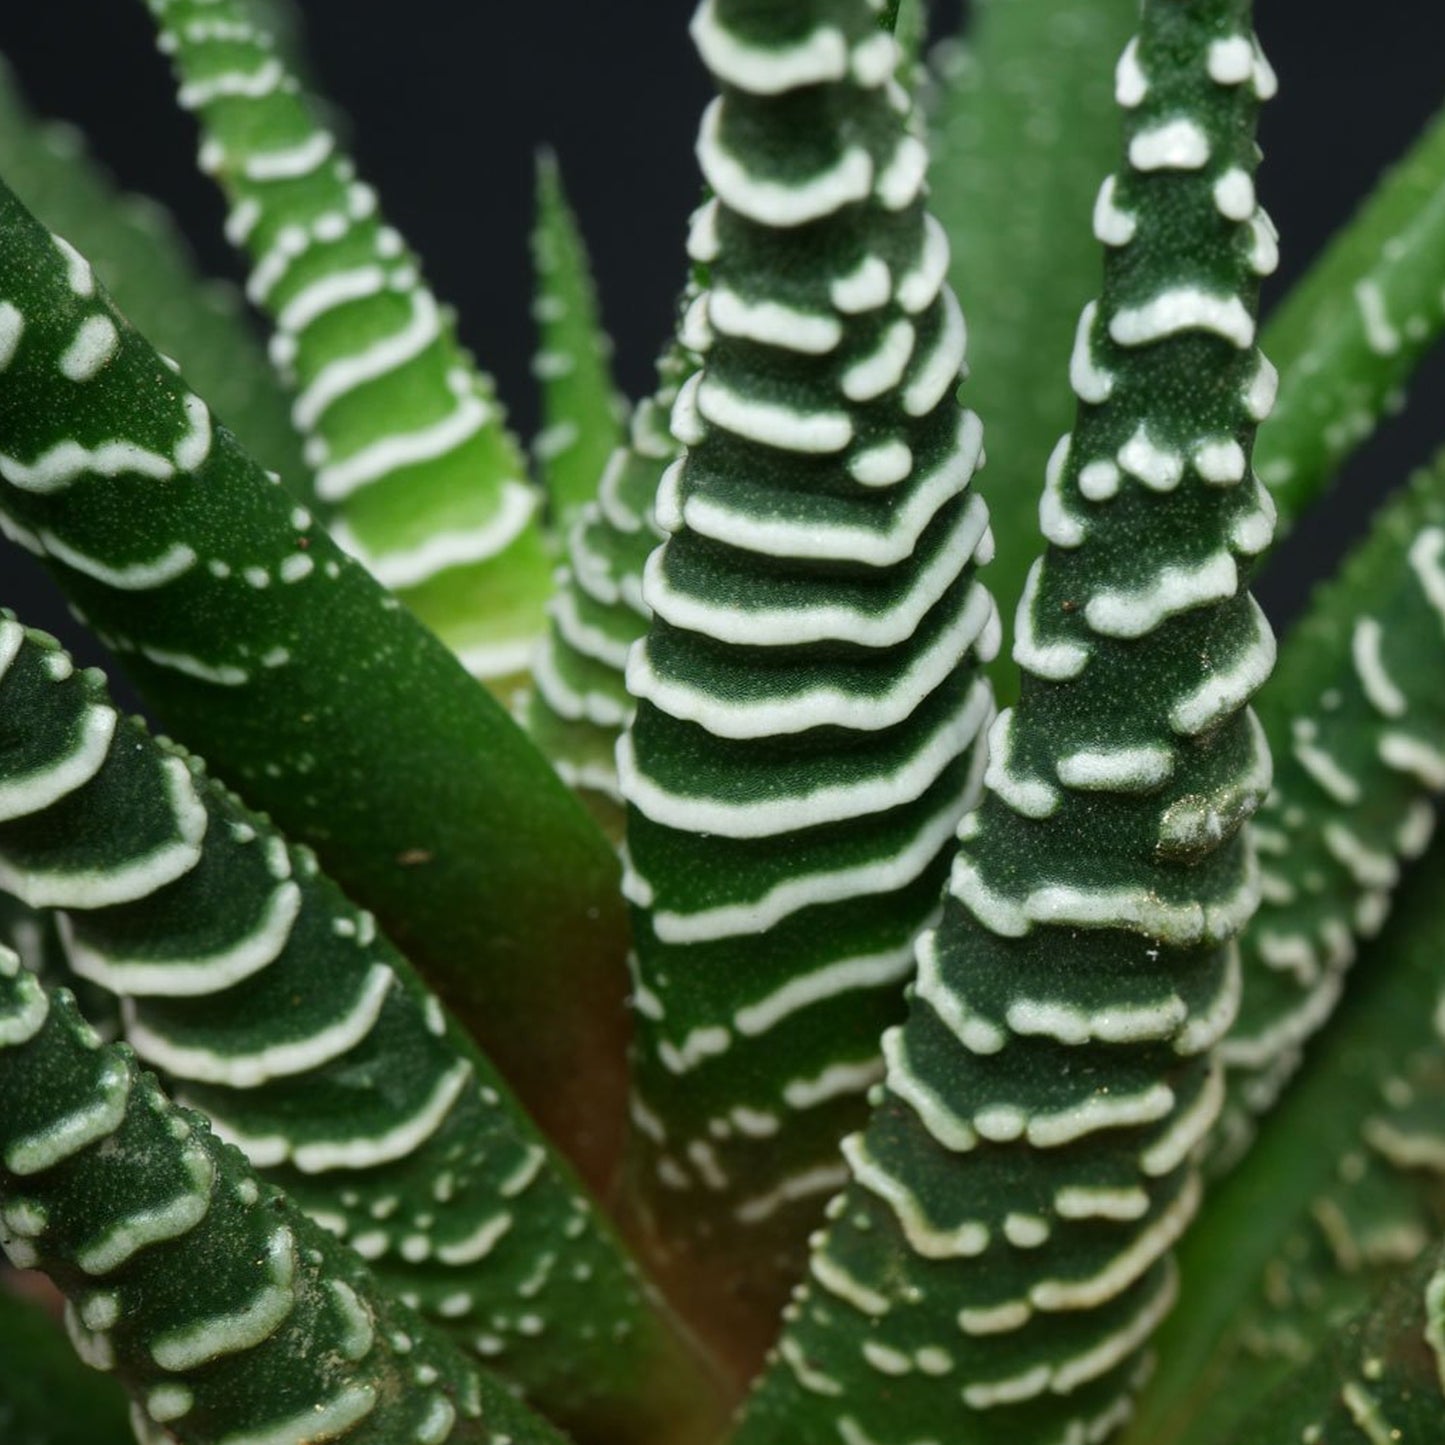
582	413
415	467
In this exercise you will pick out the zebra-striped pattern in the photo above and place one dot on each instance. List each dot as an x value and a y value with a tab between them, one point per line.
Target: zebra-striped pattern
580	703
225	1312
412	458
582	413
809	706
150	271
1356	714
1004	1240
276	1008
256	638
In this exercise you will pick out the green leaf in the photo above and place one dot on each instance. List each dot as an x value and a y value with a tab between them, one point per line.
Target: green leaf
582	414
1381	1380
147	266
1024	131
580	701
809	699
47	1397
421	478
1003	1246
223	1310
1355	713
1349	335
1342	1187
311	689
273	1005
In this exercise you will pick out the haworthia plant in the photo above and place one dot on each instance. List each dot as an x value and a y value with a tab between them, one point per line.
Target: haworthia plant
145	264
1002	1248
580	701
582	415
225	1312
1349	335
279	1011
808	705
996	1261
1343	1188
1025	129
419	476
1356	717
255	637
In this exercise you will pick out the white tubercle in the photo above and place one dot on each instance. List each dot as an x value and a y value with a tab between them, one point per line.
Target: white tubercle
1113	226
1174	145
1131	85
771	322
865	288
816	58
1231	60
770	423
1092	382
1159	468
1055	521
95	342
1184	308
1234	194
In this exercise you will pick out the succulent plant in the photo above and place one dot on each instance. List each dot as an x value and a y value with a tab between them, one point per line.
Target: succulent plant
810	907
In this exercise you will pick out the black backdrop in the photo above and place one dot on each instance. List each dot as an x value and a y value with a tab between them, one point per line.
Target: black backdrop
450	98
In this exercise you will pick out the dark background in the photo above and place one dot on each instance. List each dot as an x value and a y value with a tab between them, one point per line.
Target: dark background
450	98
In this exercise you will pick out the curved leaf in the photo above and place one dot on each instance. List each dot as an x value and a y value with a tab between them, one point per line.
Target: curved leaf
1002	1250
223	1310
274	1006
809	704
256	639
422	480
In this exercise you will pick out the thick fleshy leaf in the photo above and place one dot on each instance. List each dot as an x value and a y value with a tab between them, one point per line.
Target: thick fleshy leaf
1355	716
273	1005
419	476
147	267
579	701
311	689
1001	1255
1345	1183
225	1312
1381	1379
810	707
582	413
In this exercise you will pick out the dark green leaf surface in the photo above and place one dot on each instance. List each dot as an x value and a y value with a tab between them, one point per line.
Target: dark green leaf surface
1001	1255
311	689
275	1007
809	700
1355	715
1345	1183
145	264
1381	1380
223	1310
